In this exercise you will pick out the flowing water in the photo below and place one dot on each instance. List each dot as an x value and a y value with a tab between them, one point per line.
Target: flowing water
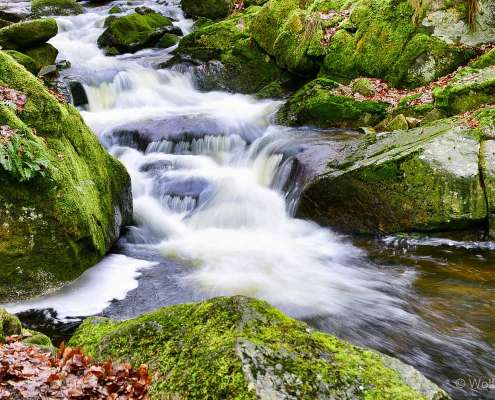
213	204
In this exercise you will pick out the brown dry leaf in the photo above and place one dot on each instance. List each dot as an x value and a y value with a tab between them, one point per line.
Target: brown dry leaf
29	372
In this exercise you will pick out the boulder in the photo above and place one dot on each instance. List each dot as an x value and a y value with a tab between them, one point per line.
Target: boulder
26	61
168	40
315	104
64	199
23	35
423	179
211	9
228	58
130	33
41	8
44	54
236	347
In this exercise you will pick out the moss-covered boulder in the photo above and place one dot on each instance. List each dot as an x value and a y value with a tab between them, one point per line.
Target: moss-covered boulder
56	7
168	40
315	104
470	88
348	39
43	55
236	347
243	67
63	198
212	9
24	35
424	179
133	32
26	61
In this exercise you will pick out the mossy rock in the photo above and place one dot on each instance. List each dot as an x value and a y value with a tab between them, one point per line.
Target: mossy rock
115	10
211	9
60	215
423	179
168	40
485	60
43	55
243	67
9	325
379	38
470	88
130	33
316	105
26	61
23	35
241	348
41	8
487	162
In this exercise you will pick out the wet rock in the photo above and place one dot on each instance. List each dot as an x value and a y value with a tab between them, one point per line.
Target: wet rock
41	8
258	353
15	10
227	57
63	202
130	33
424	179
78	94
24	35
315	104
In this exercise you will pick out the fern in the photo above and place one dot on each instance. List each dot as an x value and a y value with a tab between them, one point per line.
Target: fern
22	157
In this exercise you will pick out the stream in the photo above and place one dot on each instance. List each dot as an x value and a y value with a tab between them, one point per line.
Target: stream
214	199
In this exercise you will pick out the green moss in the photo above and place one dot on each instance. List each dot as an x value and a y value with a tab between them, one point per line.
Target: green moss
133	32
9	325
115	10
469	89
24	35
57	225
363	86
43	55
26	61
244	349
56	7
485	60
315	104
211	9
168	40
246	68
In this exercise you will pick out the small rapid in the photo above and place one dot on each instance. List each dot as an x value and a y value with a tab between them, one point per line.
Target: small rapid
214	200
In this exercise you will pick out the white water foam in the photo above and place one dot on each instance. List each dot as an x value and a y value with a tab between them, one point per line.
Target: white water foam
92	292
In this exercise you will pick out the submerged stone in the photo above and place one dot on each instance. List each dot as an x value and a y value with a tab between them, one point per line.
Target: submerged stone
236	347
63	199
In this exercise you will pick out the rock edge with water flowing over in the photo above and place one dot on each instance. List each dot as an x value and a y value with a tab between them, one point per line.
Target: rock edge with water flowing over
237	347
63	199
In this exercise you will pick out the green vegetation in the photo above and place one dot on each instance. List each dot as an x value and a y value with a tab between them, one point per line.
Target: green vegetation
236	347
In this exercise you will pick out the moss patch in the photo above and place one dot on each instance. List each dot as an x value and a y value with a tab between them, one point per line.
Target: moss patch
24	35
235	347
55	226
56	7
